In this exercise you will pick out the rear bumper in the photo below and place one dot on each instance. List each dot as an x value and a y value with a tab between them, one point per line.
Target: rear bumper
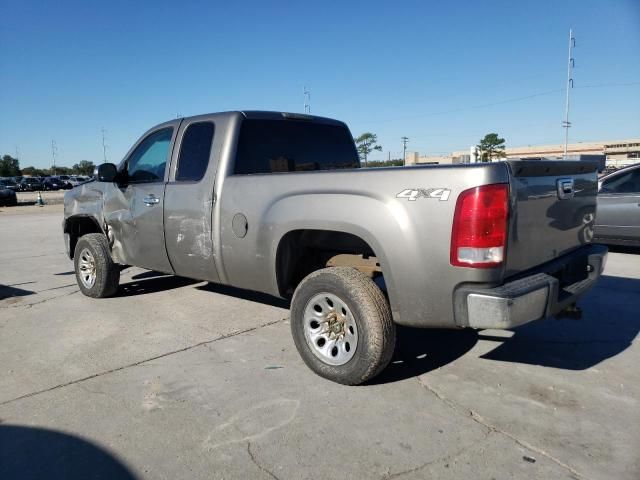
543	292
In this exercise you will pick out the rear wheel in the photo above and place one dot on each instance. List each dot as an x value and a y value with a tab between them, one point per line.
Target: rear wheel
96	273
342	326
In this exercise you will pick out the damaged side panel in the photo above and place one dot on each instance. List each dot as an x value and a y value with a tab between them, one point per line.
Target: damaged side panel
135	226
119	225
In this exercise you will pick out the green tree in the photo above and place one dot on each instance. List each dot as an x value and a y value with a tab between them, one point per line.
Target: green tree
9	166
490	147
60	170
34	172
387	163
85	167
367	143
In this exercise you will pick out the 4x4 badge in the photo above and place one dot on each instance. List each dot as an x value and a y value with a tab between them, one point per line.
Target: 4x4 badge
412	194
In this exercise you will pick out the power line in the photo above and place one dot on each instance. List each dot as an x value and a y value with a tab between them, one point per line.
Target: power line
473	107
606	85
501	102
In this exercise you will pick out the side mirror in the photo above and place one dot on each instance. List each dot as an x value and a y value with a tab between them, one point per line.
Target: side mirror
106	172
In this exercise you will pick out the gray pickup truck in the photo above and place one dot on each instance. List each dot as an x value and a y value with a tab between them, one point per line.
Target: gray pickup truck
277	203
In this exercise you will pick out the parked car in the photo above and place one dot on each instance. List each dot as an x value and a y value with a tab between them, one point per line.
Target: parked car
55	183
9	183
8	196
31	184
76	180
618	215
65	179
276	202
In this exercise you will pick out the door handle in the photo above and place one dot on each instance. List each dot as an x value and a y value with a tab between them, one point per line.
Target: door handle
150	200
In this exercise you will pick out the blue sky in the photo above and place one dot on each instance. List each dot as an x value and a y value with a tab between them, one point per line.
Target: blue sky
441	73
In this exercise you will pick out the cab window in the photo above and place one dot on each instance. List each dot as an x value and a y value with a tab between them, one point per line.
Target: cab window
148	161
195	151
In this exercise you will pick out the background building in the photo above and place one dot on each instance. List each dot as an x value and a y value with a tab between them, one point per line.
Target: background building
617	153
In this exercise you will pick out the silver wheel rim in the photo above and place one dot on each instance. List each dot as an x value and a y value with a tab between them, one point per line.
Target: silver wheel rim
330	329
87	268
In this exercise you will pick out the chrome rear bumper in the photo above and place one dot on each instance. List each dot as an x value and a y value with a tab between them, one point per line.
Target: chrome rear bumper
533	297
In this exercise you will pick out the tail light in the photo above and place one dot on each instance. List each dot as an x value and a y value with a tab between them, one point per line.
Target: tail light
479	234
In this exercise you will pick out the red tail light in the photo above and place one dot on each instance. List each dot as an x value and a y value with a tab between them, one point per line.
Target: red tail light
479	235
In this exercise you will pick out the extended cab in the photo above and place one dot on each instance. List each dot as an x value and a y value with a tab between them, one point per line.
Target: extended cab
278	203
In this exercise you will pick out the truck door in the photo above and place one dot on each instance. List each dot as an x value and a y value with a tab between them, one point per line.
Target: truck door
134	207
189	198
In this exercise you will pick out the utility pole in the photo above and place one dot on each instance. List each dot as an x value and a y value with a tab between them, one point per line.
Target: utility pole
307	100
570	64
17	153
404	148
104	146
54	153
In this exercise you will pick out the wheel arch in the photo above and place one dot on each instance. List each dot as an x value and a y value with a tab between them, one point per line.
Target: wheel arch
78	225
301	251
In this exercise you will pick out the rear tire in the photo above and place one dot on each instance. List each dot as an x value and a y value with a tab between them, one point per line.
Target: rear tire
342	326
96	273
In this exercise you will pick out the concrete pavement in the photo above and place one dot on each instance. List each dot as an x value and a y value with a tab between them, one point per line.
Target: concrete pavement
180	379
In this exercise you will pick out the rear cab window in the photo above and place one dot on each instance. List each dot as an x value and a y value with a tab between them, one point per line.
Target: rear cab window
275	146
195	151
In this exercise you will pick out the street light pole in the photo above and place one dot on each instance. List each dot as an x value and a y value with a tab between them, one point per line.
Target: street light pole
54	152
404	149
570	63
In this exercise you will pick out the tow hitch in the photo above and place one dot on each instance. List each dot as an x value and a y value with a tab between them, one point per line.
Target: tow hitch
572	312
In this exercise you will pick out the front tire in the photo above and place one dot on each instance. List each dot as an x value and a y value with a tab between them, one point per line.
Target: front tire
96	273
342	326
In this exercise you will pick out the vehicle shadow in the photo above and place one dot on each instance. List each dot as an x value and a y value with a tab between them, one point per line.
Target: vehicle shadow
35	453
152	284
7	291
249	295
150	274
419	351
609	326
623	249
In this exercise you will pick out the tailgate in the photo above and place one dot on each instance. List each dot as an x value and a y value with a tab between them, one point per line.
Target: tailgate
553	213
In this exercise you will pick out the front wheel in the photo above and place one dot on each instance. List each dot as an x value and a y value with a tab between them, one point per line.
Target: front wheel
97	275
342	326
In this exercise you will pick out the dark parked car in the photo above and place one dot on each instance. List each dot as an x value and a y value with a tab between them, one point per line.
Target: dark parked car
618	214
8	196
9	183
30	184
55	183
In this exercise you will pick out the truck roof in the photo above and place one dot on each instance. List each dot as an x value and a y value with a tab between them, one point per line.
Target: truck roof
267	115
